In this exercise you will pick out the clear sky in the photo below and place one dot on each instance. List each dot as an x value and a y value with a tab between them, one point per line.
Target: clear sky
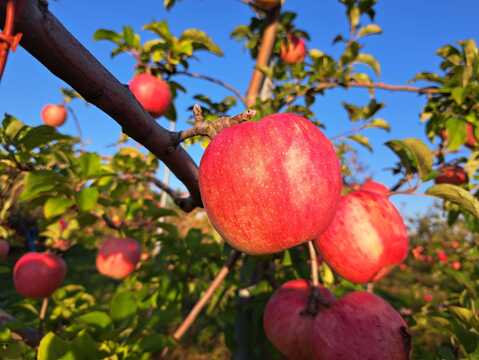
413	31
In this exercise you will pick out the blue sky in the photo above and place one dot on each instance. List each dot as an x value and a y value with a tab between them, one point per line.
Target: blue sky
413	31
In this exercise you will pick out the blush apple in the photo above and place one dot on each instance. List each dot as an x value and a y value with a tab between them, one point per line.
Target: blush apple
38	275
375	187
117	257
270	185
366	238
4	249
293	50
54	115
452	174
360	326
285	322
152	93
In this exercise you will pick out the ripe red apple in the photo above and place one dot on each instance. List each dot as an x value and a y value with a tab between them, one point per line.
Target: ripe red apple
417	252
54	115
117	257
360	326
267	4
452	174
456	265
375	187
427	297
442	256
366	238
152	93
286	324
270	185
4	249
455	244
38	275
293	50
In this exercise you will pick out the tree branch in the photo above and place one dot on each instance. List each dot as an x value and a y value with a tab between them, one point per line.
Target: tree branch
378	85
222	83
265	51
50	43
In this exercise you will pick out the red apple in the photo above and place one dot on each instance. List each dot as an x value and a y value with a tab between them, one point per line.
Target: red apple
4	249
471	140
38	275
456	265
427	297
455	244
152	93
442	256
117	257
417	252
270	185
267	4
285	322
366	238
54	115
452	174
375	187
293	50
360	326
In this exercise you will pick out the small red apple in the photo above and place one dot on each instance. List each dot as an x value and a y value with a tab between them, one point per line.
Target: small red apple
267	4
152	93
442	256
471	140
455	244
366	238
117	257
456	265
270	185
360	326
375	187
4	249
285	322
417	252
427	297
452	174
293	50
38	275
54	115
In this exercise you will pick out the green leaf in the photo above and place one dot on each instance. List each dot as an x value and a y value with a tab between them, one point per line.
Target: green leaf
371	29
104	34
362	140
458	94
38	136
90	165
379	123
456	195
152	343
87	199
56	206
51	347
123	305
40	182
161	29
369	60
84	347
456	133
414	154
168	4
354	15
96	319
202	40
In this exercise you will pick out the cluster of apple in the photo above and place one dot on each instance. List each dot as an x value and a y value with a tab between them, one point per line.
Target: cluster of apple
37	275
270	185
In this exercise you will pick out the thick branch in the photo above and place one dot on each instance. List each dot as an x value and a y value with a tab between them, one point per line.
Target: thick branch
51	44
222	83
265	51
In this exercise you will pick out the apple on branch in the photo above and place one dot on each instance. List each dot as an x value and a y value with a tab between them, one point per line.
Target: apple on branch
54	115
117	257
152	93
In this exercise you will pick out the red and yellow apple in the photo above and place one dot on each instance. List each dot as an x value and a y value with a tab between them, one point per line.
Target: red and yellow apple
293	50
54	115
366	238
270	185
117	257
152	93
38	275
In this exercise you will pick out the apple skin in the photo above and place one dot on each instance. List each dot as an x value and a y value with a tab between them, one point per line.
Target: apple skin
427	297
285	324
38	275
117	257
267	4
375	187
270	185
152	93
293	50
4	249
366	238
442	256
452	174
54	115
456	265
360	326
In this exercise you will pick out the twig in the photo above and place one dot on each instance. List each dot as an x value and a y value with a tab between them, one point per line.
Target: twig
222	83
77	125
314	264
218	280
51	44
212	128
265	51
111	224
378	85
183	202
42	315
315	300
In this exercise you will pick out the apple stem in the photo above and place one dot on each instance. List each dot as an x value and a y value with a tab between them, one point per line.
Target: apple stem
315	300
211	128
314	264
43	313
218	280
